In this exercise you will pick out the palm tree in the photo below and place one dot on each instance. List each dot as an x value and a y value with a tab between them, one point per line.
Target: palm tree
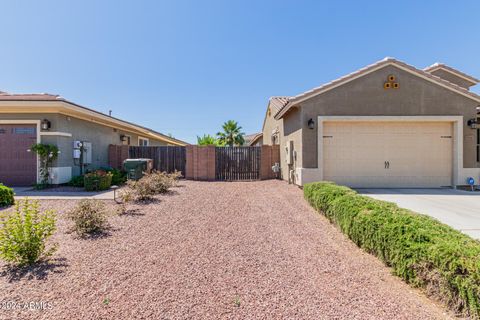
231	134
207	140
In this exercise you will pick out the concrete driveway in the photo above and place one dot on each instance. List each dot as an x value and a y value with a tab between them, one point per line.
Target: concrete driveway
459	209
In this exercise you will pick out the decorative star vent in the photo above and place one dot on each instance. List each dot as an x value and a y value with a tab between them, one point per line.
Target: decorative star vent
391	83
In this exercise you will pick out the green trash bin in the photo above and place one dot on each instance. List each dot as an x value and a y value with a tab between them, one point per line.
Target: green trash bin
135	168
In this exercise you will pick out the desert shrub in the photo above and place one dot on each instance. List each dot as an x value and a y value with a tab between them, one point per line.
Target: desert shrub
24	233
174	177
77	181
88	216
6	196
149	185
421	250
98	180
141	190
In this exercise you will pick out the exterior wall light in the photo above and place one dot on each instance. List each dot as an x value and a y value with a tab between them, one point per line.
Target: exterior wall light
472	123
123	138
45	124
311	124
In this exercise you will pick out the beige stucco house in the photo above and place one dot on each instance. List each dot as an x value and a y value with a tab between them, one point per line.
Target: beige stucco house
26	119
386	125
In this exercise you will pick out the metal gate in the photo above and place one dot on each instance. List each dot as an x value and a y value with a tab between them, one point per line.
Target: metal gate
165	158
237	163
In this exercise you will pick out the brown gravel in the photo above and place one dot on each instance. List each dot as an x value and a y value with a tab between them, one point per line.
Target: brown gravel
252	250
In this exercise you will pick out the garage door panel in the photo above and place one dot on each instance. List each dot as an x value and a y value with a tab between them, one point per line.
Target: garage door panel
419	154
18	167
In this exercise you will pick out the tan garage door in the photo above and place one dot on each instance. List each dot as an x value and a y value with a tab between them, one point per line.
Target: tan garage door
388	154
18	167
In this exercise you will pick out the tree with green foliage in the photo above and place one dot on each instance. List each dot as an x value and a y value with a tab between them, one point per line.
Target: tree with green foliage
232	134
47	154
208	140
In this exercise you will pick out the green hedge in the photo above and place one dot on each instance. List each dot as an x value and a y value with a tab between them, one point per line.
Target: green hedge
6	196
98	180
420	249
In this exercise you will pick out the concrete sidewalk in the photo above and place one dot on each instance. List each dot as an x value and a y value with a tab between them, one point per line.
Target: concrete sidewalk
459	209
23	192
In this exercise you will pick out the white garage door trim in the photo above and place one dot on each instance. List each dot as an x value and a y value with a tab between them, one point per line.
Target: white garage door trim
37	123
457	136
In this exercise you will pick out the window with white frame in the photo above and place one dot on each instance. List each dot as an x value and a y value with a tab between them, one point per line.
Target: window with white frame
143	142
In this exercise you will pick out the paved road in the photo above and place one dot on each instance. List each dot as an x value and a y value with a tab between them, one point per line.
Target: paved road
459	209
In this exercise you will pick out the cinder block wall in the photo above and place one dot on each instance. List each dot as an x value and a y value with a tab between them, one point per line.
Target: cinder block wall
270	155
200	163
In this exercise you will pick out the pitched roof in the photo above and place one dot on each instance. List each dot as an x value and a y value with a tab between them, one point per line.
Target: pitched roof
252	138
29	97
4	96
277	103
458	73
368	69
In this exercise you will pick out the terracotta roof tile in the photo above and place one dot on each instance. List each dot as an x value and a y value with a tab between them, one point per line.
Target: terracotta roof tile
278	102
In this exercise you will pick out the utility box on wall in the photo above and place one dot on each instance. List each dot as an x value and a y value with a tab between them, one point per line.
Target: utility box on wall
289	150
87	152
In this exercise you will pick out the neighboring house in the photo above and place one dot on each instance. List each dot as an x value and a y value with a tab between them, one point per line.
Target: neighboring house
26	119
386	125
254	140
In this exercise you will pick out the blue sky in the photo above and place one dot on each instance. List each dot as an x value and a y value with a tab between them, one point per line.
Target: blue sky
185	67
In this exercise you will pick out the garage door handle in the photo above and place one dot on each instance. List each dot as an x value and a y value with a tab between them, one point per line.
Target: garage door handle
387	164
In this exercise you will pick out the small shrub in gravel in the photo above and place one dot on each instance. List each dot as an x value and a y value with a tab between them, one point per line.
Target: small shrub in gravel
140	190
6	196
174	178
89	216
24	233
149	185
423	251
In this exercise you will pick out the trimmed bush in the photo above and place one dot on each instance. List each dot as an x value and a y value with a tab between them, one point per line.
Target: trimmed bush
119	177
423	251
6	196
97	180
77	181
24	232
89	216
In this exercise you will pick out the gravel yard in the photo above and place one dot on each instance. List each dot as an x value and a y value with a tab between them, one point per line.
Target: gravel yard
208	250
